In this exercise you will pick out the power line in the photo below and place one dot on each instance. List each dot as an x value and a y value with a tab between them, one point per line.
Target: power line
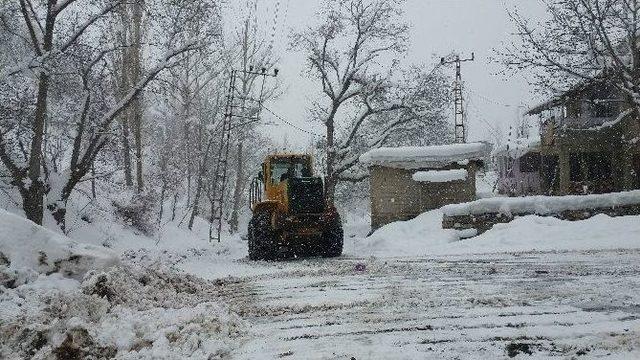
479	116
290	124
493	101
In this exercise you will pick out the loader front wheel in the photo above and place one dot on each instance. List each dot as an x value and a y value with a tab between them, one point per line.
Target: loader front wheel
261	237
333	239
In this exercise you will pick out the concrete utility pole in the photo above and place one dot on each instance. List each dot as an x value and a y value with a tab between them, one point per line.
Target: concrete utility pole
459	114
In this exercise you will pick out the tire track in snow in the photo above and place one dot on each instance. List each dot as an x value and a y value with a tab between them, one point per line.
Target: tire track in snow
554	304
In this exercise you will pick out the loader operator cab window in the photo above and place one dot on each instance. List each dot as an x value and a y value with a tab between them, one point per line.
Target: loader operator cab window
284	168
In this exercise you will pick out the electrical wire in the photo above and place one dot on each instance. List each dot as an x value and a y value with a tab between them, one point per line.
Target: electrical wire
492	101
290	124
492	129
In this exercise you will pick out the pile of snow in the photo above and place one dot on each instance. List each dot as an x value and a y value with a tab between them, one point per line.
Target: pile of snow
424	236
542	205
125	312
414	157
27	249
406	238
440	176
544	233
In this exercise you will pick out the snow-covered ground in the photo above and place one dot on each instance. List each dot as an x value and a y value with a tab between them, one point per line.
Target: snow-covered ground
480	307
537	285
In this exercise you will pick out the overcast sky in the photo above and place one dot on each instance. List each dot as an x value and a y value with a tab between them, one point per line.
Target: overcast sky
438	27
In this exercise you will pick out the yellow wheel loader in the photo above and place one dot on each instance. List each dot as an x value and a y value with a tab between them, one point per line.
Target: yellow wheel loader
291	217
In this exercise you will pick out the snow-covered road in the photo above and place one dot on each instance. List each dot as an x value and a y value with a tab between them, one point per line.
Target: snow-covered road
478	306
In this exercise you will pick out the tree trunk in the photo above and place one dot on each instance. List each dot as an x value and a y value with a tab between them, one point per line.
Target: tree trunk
33	197
196	199
32	203
174	206
93	180
136	72
199	180
237	191
137	110
162	194
330	180
126	151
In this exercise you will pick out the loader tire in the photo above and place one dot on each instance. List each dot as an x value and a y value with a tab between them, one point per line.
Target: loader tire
333	239
261	237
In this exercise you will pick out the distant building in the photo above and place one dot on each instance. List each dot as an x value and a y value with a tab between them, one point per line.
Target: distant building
590	142
407	181
518	165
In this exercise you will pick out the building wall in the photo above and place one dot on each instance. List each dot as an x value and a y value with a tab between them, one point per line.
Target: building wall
513	181
395	196
561	144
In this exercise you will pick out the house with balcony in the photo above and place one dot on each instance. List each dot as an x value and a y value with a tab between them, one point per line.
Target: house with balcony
589	142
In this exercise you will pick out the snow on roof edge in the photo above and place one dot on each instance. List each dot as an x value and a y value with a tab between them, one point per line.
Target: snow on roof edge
440	176
416	156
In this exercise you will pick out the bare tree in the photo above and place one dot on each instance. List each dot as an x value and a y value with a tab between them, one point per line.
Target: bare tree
128	34
192	94
54	33
353	53
583	41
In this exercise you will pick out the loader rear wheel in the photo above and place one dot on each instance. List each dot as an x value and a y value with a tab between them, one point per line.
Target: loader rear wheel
333	239
261	237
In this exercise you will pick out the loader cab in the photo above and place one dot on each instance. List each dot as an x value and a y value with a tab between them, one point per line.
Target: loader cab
276	175
282	168
278	170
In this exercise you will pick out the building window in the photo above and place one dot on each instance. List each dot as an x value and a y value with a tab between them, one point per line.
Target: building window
575	167
530	163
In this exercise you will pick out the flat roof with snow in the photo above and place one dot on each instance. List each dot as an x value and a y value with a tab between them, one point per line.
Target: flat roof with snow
440	176
414	157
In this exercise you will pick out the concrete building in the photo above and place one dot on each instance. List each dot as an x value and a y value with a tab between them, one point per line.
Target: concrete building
407	181
590	142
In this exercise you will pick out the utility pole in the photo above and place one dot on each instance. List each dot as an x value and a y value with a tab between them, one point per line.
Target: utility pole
459	114
218	184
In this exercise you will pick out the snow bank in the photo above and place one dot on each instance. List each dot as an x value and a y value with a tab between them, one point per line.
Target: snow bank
424	236
29	248
126	313
486	183
542	205
538	233
439	176
423	156
413	237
